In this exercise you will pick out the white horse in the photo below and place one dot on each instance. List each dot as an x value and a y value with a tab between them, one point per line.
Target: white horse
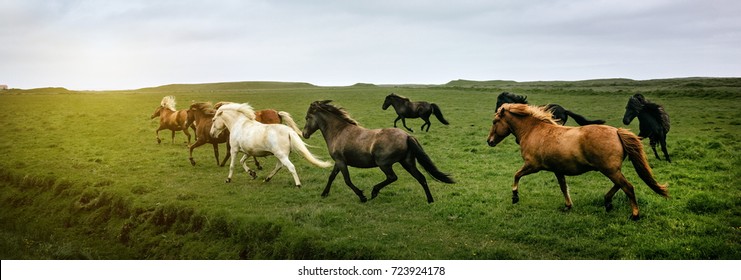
257	139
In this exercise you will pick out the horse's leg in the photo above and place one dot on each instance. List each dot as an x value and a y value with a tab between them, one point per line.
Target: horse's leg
396	120
332	175
291	168
257	163
619	179
390	178
157	132
564	189
173	137
662	141
427	123
185	130
247	169
233	151
348	182
411	167
652	141
196	145
216	152
608	197
228	154
278	166
524	170
404	122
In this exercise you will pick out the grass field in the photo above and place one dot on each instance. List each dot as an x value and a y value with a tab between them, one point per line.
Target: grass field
82	177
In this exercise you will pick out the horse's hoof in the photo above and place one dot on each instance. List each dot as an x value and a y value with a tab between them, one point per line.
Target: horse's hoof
363	199
159	141
608	207
266	180
374	194
192	162
566	208
228	180
430	201
298	186
253	174
515	199
635	217
325	195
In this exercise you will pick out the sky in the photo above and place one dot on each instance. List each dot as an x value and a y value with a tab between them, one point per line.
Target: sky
131	44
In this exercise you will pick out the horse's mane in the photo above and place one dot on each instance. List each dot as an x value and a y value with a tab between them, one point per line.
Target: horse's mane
514	98
168	102
204	107
537	112
637	102
243	108
338	111
399	97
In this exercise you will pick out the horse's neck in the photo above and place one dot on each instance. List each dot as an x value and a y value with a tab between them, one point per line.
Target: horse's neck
524	127
332	126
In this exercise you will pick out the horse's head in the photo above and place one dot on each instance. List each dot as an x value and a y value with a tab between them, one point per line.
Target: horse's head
312	120
387	101
506	97
633	108
157	112
218	124
499	127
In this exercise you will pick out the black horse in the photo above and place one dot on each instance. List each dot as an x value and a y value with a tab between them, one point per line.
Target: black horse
405	108
653	121
560	114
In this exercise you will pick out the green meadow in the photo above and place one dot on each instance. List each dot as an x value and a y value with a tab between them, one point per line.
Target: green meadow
82	177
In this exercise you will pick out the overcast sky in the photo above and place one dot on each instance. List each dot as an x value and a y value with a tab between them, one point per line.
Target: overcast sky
129	44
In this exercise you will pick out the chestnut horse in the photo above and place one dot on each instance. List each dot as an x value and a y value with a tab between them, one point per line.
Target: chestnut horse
171	119
545	145
200	114
350	144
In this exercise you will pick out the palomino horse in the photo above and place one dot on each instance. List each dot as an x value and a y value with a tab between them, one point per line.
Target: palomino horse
171	119
653	121
352	145
200	114
405	108
560	114
253	138
563	150
268	116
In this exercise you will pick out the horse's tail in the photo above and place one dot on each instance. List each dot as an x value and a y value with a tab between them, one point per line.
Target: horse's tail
581	120
298	145
438	114
286	117
634	148
426	162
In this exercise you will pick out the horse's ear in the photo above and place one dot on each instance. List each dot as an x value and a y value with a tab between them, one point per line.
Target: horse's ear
325	102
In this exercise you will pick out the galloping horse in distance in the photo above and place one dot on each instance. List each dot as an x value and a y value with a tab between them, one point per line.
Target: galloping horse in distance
171	119
564	150
266	116
253	138
405	108
200	115
560	114
350	144
653	121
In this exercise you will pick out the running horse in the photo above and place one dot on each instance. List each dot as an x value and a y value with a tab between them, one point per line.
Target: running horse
405	108
560	114
266	116
171	119
349	144
200	115
653	122
253	138
569	151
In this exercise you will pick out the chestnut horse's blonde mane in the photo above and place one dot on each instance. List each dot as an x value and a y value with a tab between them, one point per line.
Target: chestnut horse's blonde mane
168	102
537	112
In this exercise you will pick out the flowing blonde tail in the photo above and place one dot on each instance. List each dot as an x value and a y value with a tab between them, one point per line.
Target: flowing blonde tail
298	145
634	148
286	117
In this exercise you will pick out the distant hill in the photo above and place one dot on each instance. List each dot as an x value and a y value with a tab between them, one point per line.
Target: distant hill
228	86
47	90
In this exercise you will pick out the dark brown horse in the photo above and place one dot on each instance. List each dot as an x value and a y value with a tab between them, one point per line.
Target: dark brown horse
200	115
653	122
171	119
545	145
405	108
352	145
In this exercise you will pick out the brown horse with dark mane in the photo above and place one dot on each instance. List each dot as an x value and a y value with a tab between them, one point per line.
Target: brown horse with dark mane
405	108
171	119
349	144
545	145
200	114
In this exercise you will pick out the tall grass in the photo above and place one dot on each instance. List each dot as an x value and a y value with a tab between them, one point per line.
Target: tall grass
84	178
